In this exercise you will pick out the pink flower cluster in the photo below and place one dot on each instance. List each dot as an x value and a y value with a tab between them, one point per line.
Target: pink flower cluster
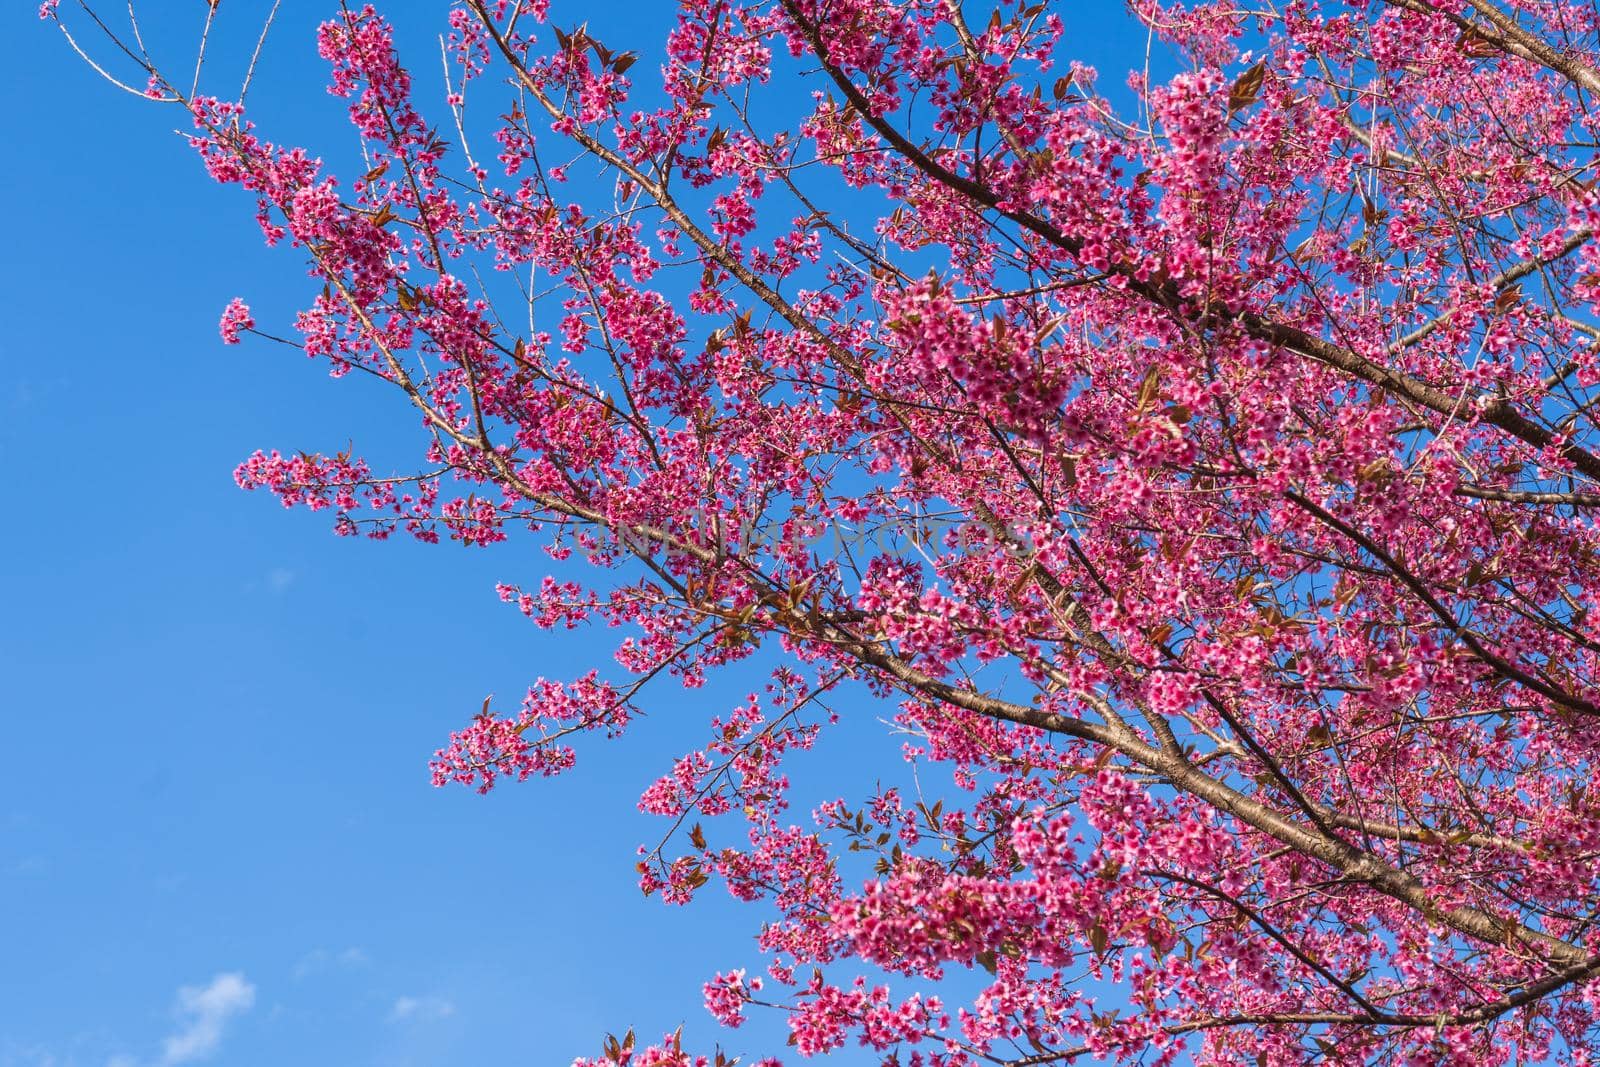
235	317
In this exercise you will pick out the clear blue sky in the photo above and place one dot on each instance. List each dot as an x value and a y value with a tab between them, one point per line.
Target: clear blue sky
217	715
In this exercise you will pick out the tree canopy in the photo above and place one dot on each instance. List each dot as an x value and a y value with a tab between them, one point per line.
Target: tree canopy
1201	476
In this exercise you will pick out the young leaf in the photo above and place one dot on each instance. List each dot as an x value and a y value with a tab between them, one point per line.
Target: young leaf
1247	87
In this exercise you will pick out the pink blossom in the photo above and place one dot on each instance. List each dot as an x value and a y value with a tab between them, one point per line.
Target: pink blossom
235	317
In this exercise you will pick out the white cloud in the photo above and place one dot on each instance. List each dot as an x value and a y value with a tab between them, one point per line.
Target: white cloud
280	578
421	1009
205	1011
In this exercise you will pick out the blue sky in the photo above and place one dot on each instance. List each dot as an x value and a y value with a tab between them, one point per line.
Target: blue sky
218	841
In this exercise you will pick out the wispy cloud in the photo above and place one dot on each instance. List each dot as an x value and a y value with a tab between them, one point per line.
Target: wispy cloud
321	959
204	1012
279	579
16	1054
30	866
421	1009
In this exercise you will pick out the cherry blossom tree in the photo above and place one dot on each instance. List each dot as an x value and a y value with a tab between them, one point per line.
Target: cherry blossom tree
1201	474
